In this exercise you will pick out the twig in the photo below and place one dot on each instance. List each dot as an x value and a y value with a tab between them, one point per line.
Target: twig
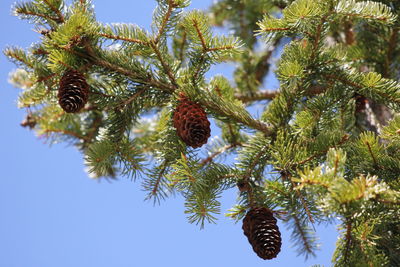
348	238
158	181
372	154
105	64
286	176
166	67
38	15
133	97
215	154
200	35
257	96
274	29
343	140
67	132
165	21
297	223
117	37
55	10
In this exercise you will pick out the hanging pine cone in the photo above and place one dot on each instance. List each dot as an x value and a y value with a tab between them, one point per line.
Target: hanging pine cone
259	225
73	91
191	123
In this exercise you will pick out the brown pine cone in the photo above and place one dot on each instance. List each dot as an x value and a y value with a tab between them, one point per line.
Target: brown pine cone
259	225
191	123
73	92
29	121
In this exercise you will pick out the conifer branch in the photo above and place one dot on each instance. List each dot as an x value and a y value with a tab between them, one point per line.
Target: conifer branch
318	37
303	202
275	29
166	67
302	233
285	177
13	54
105	64
150	81
171	5
160	176
133	97
32	13
67	132
371	153
45	78
121	38
320	153
217	153
257	96
348	240
55	10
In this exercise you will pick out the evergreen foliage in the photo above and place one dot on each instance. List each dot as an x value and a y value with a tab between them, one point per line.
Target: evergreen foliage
327	144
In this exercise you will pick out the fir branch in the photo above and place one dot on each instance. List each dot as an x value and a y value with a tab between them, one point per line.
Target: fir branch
66	132
19	55
156	185
167	69
133	97
210	158
257	96
348	238
129	73
121	38
371	153
55	10
318	37
303	202
171	5
274	29
285	177
320	153
45	78
204	46
32	13
300	230
224	108
200	35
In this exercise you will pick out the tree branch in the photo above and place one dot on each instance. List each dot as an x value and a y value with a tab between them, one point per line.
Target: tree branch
117	37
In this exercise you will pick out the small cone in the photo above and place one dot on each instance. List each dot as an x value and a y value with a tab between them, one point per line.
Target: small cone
259	225
73	91
191	123
29	121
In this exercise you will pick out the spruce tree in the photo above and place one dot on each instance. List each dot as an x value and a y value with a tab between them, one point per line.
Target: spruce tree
137	104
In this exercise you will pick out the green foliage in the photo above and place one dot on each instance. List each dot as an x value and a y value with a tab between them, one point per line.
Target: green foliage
325	145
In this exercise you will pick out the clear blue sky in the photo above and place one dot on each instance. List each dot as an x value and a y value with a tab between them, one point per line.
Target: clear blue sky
53	215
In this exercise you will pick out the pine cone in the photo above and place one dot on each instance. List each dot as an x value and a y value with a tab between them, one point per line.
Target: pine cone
73	91
29	121
191	123
259	225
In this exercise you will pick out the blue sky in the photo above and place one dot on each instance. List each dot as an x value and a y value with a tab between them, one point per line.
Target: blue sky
52	214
